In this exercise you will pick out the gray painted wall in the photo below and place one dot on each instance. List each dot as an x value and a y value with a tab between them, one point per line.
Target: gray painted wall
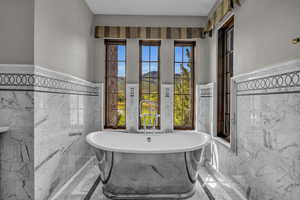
16	31
63	37
156	21
263	34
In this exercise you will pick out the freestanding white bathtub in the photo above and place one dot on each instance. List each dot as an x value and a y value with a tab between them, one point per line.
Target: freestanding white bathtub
148	166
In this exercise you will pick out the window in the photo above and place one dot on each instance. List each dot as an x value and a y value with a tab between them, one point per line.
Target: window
225	72
184	85
115	84
149	80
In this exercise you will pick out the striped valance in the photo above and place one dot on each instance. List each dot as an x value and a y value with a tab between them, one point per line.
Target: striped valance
220	11
126	32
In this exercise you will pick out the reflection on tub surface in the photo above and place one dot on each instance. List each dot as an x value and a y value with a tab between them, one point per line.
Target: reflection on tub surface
139	166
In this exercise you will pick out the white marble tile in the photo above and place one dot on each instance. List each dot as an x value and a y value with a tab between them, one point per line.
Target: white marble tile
166	107
16	148
266	164
48	123
61	123
132	107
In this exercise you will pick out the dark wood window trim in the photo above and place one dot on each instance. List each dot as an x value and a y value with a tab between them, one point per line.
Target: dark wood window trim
192	79
141	44
225	72
107	77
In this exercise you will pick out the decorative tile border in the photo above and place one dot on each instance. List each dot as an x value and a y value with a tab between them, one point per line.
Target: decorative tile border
34	78
285	80
282	78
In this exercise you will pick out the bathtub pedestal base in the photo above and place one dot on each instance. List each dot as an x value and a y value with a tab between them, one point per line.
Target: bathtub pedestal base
148	176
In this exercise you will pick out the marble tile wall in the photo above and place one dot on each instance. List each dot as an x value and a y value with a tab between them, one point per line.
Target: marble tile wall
61	123
204	108
204	113
49	115
166	119
266	164
16	146
132	107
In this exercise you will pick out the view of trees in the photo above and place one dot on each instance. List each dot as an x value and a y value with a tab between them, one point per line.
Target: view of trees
183	87
149	87
149	83
115	85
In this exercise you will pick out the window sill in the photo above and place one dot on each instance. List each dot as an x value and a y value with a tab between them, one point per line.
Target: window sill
222	141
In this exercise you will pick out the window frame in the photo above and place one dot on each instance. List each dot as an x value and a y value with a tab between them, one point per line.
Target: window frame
141	44
107	43
222	102
189	44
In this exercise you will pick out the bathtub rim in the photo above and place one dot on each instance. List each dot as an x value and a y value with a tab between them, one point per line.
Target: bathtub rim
207	139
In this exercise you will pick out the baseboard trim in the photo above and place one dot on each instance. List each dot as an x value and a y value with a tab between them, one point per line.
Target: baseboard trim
65	186
218	176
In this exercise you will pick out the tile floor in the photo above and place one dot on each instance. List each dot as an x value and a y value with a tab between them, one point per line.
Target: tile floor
87	186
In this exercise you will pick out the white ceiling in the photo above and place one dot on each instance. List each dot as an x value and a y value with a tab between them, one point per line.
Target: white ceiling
152	7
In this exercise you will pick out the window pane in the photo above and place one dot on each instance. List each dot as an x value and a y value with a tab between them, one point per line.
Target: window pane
186	69
154	70
121	69
178	70
154	98
121	102
186	86
112	69
112	103
145	85
149	82
112	84
187	118
225	72
121	52
186	102
121	86
154	85
112	53
154	53
178	120
177	86
112	118
146	69
115	86
183	87
121	120
187	54
187	110
178	54
145	53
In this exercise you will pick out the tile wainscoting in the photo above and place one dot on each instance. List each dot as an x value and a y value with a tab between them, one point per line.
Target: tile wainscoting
49	113
266	164
17	145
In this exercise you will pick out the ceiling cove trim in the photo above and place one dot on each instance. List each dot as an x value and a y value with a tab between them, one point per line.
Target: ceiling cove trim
130	32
